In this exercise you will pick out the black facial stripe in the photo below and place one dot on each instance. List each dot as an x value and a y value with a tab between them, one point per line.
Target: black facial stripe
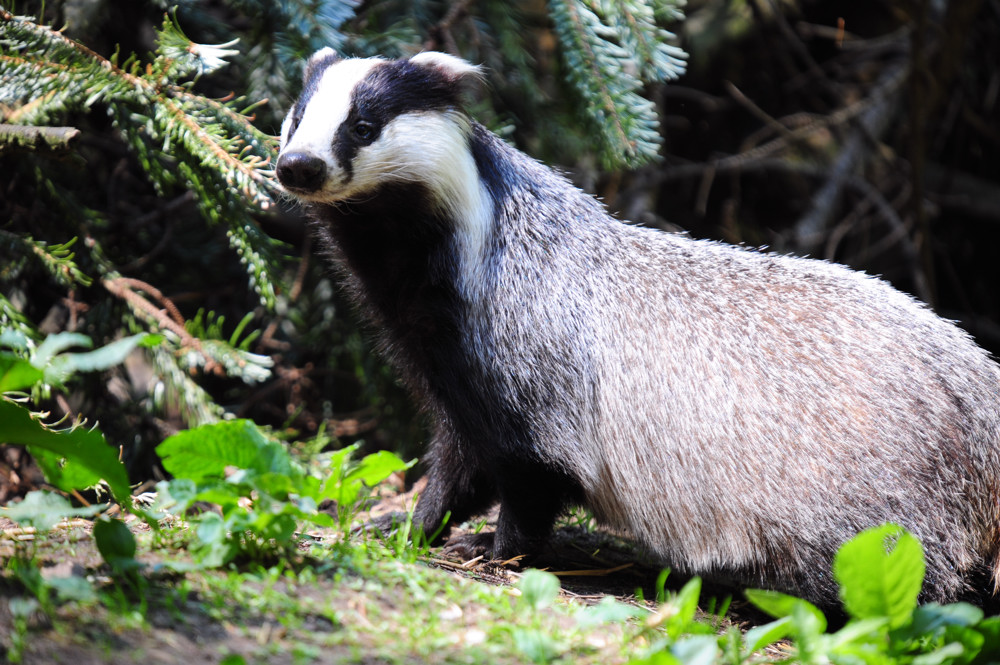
310	83
389	90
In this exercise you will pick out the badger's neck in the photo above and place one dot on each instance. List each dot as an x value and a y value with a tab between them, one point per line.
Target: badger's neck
417	250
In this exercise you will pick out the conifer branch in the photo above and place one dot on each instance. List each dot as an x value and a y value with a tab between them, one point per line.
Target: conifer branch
150	105
37	138
600	69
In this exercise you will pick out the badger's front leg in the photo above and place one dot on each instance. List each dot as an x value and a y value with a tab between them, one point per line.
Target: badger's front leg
457	487
531	498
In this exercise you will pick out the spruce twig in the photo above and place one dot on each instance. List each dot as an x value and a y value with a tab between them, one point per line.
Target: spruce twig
26	137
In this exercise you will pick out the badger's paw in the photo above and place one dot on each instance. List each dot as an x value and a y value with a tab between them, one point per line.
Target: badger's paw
470	546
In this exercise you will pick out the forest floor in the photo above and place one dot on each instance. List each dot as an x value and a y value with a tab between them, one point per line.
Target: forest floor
337	599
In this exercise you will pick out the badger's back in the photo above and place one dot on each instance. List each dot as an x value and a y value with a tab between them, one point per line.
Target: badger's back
746	413
741	413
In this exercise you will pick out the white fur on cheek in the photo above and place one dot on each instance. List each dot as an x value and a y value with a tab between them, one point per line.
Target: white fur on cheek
432	148
325	111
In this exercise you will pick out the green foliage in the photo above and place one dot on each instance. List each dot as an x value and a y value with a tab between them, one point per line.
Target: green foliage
261	493
117	546
182	141
611	48
43	510
47	365
72	458
880	573
890	582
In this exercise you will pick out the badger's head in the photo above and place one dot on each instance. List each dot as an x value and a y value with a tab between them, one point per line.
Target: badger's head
361	124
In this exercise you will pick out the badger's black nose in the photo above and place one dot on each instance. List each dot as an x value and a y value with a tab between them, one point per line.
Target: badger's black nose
301	171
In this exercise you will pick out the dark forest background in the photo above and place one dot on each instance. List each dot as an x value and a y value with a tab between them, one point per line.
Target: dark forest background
862	132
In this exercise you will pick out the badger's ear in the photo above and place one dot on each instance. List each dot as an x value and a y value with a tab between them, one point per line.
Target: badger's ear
320	60
453	68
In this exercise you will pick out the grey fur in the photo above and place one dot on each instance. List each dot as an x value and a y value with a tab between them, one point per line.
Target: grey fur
739	413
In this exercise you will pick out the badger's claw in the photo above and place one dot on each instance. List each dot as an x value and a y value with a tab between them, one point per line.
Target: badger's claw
471	545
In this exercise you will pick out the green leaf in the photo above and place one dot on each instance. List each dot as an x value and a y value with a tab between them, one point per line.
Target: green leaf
539	589
781	605
57	343
759	637
233	659
72	589
657	658
206	451
378	466
71	459
345	481
686	604
989	628
17	373
535	645
61	367
859	630
13	338
945	654
116	544
608	610
880	571
43	510
696	650
932	618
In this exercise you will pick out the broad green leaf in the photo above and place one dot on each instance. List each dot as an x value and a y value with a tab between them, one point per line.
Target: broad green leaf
206	451
932	618
608	610
371	470
116	544
880	571
84	454
59	368
57	343
17	373
375	468
781	605
538	588
43	510
759	637
696	650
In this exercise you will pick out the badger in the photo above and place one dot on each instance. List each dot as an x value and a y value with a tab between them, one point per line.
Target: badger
739	414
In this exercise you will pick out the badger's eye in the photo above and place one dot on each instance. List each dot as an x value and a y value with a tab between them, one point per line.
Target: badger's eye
364	130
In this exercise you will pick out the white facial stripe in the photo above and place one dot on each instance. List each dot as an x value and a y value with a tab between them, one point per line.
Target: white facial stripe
326	111
426	147
431	147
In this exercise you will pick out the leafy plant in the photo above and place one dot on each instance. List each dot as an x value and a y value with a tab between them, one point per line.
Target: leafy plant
880	573
261	493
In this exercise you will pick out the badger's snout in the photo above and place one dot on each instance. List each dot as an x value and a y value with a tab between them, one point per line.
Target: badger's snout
301	171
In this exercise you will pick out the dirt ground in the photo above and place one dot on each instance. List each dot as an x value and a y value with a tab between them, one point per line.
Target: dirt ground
195	618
